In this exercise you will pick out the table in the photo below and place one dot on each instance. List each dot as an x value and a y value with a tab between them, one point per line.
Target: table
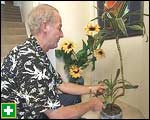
129	112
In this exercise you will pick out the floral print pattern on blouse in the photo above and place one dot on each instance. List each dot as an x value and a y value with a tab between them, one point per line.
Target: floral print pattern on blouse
29	79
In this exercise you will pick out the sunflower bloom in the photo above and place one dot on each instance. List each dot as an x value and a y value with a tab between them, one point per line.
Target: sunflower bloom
99	53
75	71
91	29
67	46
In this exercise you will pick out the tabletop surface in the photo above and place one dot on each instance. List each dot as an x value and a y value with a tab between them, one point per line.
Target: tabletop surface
129	112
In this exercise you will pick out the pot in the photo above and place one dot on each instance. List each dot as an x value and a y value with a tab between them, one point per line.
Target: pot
111	111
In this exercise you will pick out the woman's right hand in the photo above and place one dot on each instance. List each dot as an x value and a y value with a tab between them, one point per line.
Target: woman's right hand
96	104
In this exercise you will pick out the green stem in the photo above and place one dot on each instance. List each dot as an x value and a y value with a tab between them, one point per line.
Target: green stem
74	54
121	69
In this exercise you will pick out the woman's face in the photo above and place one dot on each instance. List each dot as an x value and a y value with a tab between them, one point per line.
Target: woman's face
54	32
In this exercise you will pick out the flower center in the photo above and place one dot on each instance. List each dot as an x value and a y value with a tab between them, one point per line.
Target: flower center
69	46
92	28
76	71
100	52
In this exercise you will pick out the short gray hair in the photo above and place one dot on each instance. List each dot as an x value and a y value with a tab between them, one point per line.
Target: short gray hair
42	12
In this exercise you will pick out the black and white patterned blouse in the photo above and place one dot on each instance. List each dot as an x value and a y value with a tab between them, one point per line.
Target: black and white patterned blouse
29	79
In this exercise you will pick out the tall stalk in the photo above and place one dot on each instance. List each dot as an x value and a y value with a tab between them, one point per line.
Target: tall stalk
121	70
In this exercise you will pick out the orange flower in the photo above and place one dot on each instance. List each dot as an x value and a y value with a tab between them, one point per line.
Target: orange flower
113	6
109	4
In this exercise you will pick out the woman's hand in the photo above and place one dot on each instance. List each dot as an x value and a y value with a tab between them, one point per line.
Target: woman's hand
97	89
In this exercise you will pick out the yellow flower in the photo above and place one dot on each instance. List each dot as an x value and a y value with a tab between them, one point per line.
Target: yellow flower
92	29
99	53
67	46
75	71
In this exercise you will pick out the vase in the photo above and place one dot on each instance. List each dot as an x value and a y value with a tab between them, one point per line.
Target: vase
79	81
111	111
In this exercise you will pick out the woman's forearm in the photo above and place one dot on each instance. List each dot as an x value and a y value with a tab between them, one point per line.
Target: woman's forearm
74	89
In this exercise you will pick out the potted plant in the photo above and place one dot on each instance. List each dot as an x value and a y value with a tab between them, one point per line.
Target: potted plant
112	93
115	14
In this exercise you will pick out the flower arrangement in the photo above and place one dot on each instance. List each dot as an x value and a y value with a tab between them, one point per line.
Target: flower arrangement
91	51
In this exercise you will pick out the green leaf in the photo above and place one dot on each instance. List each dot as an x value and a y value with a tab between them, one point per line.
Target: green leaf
84	65
134	13
81	53
115	80
136	27
121	26
90	42
99	39
84	45
123	8
105	34
59	53
99	17
67	59
82	56
117	74
107	83
93	63
129	86
113	24
109	15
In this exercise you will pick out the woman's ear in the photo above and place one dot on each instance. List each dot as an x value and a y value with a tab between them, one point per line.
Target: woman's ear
43	27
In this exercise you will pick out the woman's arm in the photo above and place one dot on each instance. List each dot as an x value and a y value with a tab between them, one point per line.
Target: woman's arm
76	89
75	111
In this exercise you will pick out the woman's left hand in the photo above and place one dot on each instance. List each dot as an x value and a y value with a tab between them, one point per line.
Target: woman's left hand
98	89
